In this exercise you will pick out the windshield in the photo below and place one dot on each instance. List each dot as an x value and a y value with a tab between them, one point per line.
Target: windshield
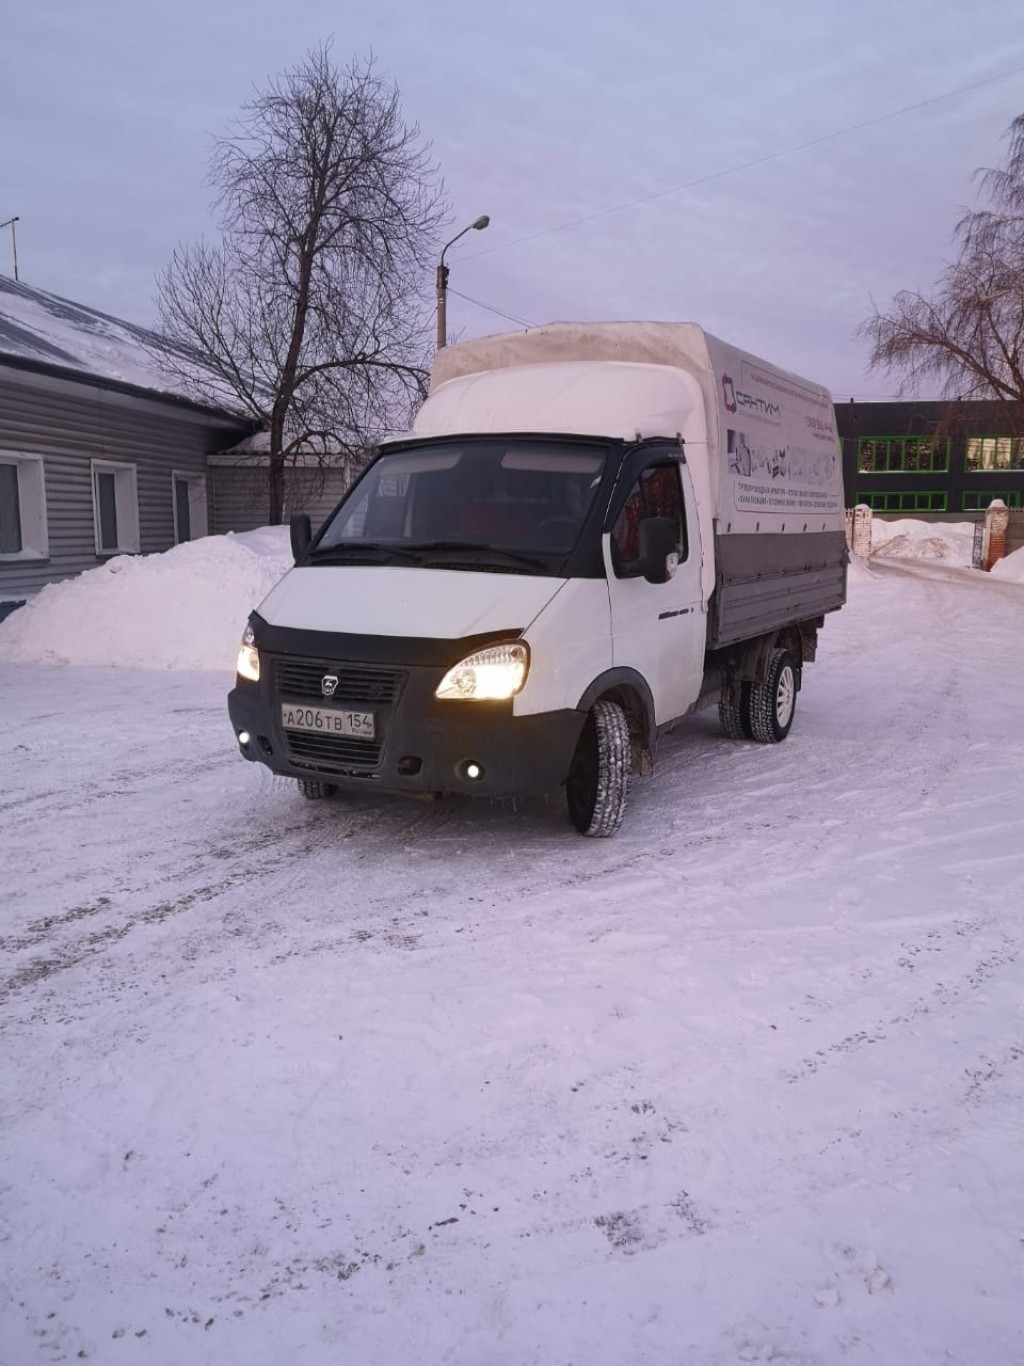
518	502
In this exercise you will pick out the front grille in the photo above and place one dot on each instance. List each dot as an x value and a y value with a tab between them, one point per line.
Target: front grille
331	753
300	678
361	687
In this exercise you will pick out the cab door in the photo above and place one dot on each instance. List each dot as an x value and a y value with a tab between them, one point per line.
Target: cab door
657	629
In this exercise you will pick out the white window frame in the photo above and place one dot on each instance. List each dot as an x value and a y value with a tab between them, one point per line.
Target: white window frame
126	501
197	511
35	539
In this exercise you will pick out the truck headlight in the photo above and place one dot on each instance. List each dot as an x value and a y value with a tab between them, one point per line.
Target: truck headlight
490	675
249	657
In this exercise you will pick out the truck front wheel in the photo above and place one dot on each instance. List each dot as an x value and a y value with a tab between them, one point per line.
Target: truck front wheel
773	702
314	790
597	787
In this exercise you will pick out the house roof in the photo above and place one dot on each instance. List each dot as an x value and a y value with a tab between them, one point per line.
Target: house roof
44	332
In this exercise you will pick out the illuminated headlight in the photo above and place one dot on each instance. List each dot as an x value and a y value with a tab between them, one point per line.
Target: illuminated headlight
249	657
490	675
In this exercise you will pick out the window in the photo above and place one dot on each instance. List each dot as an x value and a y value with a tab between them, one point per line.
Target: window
994	453
189	494
902	454
115	504
531	496
657	493
904	502
11	540
23	533
978	502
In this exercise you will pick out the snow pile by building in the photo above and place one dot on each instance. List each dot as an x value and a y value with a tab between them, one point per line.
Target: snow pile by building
183	609
910	539
1011	568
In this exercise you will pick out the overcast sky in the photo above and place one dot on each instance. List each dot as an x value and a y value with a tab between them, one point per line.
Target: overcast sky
540	113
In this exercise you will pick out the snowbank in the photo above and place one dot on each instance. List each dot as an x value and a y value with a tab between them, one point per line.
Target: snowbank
1011	568
184	609
910	539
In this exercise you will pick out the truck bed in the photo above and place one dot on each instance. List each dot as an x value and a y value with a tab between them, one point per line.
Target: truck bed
763	582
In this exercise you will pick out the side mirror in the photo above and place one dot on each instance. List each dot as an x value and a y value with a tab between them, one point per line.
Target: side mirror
659	558
301	532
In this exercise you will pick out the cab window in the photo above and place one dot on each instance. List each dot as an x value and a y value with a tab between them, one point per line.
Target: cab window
656	493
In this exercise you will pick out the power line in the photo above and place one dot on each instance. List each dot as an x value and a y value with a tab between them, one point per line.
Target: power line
745	165
491	309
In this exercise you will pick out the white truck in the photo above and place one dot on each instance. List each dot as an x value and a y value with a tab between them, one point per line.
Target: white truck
592	531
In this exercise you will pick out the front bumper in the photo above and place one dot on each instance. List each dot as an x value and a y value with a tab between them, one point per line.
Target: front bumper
421	744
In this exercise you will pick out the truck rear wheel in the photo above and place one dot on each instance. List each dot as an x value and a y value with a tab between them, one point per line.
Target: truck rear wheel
597	787
773	702
734	711
315	790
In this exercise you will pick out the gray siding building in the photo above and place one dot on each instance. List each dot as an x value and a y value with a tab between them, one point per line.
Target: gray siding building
239	485
98	455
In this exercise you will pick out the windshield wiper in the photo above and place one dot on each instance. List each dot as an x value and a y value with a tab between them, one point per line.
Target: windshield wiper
354	550
478	548
379	552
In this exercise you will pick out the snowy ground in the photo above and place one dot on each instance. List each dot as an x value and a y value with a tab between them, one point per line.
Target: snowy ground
385	1082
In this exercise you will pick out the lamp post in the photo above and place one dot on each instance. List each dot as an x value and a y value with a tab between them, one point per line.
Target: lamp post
442	281
10	222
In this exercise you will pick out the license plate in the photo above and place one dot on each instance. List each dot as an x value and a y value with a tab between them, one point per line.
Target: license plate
358	725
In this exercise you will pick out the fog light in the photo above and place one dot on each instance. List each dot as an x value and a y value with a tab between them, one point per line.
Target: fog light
243	738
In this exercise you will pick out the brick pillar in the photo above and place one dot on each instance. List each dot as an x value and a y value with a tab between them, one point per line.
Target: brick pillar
860	539
997	520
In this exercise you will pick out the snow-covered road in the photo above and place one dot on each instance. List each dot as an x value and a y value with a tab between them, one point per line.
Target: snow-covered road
380	1082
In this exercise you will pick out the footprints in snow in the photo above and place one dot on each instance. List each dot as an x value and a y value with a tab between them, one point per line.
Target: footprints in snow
854	1275
639	1230
642	1229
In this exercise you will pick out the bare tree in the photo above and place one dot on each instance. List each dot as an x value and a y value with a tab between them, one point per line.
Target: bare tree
968	336
311	310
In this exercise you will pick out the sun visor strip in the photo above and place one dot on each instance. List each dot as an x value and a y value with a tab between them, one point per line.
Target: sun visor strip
407	651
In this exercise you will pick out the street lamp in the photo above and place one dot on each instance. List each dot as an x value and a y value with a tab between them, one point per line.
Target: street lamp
442	281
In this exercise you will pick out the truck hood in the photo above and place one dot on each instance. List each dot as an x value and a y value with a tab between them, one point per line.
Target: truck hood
401	600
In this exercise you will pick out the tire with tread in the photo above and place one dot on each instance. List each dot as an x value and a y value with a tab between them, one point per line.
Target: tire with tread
314	790
773	702
597	786
734	711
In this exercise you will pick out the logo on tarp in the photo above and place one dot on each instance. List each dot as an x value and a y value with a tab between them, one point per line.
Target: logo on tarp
329	685
735	400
